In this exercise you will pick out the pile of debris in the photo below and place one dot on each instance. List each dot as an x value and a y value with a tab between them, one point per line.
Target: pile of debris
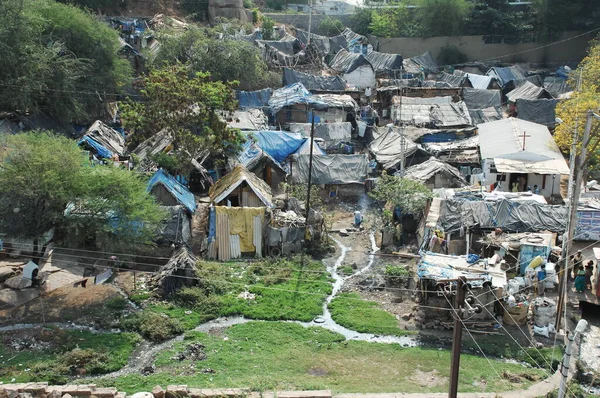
192	352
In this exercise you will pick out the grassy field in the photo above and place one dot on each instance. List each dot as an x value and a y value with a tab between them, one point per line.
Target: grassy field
277	355
54	355
364	316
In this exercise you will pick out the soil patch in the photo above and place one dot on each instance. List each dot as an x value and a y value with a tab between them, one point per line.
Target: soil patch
429	379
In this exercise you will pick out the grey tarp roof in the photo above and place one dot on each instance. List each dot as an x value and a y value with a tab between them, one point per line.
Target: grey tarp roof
387	147
480	99
327	45
436	112
480	116
331	133
556	87
424	61
415	133
312	82
527	90
459	151
540	111
502	141
481	82
285	47
250	119
384	62
451	80
510	216
424	171
506	74
347	62
331	169
344	101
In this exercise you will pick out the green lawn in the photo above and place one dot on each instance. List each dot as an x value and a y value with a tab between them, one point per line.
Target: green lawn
350	311
278	355
60	354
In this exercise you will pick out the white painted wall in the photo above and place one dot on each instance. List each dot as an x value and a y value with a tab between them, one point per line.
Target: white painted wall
532	179
362	77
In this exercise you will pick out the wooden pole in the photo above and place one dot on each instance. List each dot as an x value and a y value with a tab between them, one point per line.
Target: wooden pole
457	336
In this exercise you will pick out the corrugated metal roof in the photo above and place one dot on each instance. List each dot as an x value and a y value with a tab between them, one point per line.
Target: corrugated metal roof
178	190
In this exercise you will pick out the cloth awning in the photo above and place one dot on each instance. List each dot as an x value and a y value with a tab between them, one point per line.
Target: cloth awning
551	166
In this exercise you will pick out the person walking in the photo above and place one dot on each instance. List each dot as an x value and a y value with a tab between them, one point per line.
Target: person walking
589	271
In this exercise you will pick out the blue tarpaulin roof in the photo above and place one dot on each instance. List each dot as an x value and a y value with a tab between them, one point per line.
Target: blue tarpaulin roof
101	150
294	94
179	191
278	144
254	99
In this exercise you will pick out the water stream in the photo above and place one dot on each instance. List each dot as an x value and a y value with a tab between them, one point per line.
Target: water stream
145	354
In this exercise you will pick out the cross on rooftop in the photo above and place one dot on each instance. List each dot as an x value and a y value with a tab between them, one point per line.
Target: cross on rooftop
524	136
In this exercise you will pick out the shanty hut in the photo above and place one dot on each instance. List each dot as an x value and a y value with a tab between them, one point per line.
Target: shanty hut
435	174
238	227
386	65
354	68
178	272
103	141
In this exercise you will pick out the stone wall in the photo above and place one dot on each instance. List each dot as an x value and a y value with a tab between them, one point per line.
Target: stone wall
43	390
570	48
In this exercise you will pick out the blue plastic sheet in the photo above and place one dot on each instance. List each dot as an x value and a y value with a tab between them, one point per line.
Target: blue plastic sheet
101	150
179	191
254	99
293	94
277	144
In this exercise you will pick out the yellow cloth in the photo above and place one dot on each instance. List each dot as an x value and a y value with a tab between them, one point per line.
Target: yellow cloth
241	223
536	262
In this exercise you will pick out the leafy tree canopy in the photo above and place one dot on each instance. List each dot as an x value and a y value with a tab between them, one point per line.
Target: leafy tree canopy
225	59
330	27
573	111
443	17
188	108
41	173
57	59
409	195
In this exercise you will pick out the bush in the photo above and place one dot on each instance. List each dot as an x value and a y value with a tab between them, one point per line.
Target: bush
116	304
85	361
249	4
396	274
196	298
451	55
330	27
153	326
267	27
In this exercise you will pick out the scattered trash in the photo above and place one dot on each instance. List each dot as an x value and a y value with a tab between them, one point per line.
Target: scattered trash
247	296
193	352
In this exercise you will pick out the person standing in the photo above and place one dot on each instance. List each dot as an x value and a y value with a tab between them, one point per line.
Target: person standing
541	279
577	262
589	271
515	187
580	281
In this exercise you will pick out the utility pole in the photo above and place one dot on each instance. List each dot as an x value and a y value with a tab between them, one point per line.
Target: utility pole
579	165
461	288
309	21
310	164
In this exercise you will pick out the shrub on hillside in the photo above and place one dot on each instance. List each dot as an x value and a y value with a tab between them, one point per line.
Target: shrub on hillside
153	326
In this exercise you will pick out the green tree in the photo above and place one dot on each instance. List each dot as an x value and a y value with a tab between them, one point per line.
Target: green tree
360	21
189	109
225	59
41	173
573	111
394	22
57	59
498	17
408	195
330	27
267	27
442	17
